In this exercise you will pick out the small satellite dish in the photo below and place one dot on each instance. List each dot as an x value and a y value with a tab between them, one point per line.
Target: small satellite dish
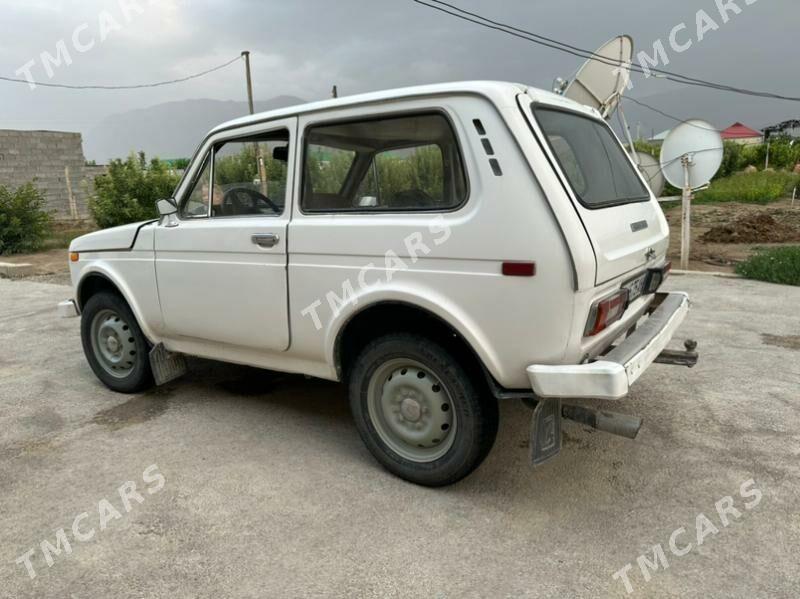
651	171
600	84
702	143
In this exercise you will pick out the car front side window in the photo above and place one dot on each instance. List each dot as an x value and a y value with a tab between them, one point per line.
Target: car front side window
196	203
250	176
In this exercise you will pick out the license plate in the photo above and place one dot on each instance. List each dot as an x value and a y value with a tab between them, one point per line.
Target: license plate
637	287
545	433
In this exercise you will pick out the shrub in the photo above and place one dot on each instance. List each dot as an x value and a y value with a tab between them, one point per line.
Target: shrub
782	153
750	155
130	190
24	223
63	233
753	188
731	160
775	265
646	147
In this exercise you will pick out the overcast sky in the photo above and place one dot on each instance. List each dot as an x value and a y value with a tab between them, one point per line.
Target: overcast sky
303	47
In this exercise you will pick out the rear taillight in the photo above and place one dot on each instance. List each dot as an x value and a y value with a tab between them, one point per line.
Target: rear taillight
606	312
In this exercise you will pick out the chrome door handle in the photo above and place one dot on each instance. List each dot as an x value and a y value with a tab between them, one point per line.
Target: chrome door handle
265	240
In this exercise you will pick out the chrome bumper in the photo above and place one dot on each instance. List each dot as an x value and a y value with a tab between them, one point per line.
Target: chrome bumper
611	376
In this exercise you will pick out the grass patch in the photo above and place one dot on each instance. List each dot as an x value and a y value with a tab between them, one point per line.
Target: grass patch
749	188
776	265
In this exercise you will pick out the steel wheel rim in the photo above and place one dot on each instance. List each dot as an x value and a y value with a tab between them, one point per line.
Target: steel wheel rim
113	343
411	410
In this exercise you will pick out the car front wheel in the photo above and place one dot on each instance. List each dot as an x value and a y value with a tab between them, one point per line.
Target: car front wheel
418	410
115	346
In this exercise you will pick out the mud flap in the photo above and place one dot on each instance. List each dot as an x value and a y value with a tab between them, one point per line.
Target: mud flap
545	439
166	366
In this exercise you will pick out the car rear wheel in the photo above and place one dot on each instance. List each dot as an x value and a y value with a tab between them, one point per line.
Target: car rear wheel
419	412
115	346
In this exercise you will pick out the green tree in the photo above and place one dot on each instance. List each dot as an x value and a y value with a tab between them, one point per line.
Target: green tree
24	222
328	169
130	190
419	169
237	168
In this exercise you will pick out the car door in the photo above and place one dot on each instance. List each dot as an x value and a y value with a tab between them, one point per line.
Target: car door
221	264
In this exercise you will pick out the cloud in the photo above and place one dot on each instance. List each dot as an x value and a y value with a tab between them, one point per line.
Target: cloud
304	47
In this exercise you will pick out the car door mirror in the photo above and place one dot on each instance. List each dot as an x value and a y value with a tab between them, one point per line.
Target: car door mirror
167	207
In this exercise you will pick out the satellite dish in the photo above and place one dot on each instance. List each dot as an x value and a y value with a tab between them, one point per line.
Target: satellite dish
702	143
651	171
600	84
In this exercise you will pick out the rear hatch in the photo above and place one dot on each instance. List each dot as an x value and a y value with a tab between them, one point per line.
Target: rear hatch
623	220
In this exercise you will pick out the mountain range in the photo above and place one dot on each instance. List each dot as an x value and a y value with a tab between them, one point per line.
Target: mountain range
173	129
170	130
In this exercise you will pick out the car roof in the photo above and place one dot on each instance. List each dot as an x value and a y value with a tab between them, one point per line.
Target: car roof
494	90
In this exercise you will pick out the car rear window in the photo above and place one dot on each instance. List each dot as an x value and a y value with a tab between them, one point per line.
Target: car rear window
592	159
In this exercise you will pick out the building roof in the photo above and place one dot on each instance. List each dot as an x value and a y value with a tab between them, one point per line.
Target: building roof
739	131
781	127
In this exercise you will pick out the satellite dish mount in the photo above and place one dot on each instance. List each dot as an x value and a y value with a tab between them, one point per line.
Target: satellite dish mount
690	156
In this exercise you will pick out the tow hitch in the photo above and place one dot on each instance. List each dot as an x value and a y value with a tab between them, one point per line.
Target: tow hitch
679	358
545	433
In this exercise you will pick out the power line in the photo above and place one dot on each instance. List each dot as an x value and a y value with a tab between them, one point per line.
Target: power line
580	52
666	114
140	86
554	44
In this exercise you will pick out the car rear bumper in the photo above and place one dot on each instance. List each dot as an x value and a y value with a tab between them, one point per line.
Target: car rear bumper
68	309
611	375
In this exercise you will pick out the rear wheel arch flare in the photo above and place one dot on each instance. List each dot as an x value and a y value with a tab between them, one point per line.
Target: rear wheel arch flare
395	316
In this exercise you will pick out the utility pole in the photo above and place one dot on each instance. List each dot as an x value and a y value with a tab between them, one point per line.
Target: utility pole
262	171
687	160
246	55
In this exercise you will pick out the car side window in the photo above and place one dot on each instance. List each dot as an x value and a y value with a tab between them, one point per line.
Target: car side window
196	203
250	176
398	163
328	168
406	178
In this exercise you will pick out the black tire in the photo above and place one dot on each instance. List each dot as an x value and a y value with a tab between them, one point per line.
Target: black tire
140	376
476	411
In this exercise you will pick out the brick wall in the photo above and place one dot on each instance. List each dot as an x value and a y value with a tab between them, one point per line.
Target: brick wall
54	161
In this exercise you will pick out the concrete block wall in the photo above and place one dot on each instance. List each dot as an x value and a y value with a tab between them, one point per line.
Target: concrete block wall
54	161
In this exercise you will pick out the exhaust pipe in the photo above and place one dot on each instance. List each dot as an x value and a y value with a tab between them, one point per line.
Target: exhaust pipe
602	420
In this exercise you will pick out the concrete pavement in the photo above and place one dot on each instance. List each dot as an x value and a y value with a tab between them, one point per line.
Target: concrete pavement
267	490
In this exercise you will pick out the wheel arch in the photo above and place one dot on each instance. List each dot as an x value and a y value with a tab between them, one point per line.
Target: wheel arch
97	279
93	283
388	316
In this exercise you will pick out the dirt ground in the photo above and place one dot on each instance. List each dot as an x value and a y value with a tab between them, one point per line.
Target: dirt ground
722	257
51	266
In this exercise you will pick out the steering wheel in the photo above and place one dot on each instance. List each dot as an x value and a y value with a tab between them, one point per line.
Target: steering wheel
232	203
